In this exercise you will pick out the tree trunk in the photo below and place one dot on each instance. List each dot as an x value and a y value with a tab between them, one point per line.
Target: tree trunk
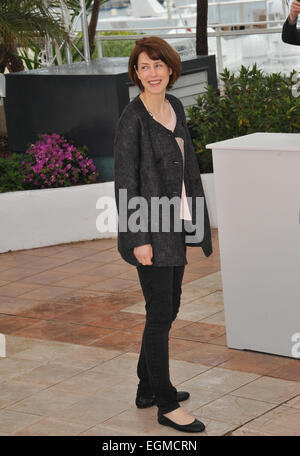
9	59
93	24
201	27
15	63
4	57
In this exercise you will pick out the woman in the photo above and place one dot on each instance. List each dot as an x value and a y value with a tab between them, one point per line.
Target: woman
155	160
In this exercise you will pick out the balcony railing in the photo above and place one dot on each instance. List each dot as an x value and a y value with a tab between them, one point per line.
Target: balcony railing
276	27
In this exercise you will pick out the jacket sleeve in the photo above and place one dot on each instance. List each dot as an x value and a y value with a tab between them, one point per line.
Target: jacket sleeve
290	33
127	175
206	243
191	148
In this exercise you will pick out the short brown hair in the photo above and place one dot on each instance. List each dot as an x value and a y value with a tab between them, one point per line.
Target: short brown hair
156	48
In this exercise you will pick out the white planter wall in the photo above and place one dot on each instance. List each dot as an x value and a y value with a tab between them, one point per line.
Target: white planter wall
37	218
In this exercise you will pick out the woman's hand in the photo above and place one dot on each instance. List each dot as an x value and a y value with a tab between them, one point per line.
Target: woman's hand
295	10
144	254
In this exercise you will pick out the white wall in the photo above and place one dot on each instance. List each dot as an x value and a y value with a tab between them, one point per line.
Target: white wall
35	218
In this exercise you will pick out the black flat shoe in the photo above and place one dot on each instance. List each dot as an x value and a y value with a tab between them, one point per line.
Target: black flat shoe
148	401
195	426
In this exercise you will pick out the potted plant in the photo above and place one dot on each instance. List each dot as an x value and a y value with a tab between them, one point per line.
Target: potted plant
44	196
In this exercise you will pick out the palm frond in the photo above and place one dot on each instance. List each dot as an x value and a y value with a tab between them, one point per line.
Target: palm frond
23	20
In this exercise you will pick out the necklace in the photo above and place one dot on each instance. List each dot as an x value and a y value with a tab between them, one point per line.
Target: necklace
151	114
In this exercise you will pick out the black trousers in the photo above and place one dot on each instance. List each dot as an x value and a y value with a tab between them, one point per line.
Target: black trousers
162	290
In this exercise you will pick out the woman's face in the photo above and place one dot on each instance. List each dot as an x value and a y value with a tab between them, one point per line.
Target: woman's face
154	74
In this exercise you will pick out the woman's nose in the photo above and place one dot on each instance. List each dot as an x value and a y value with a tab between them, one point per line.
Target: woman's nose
152	71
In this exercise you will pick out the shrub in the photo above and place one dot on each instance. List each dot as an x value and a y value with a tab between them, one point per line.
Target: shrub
53	162
117	48
251	102
5	151
110	48
11	176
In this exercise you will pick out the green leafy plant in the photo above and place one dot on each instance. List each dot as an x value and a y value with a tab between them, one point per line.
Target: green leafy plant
11	176
110	48
22	24
31	62
117	48
25	25
251	102
50	162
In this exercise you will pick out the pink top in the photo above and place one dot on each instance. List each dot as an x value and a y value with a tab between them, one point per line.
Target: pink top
184	208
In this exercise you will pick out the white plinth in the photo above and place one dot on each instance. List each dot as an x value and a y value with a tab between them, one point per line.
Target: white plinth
257	185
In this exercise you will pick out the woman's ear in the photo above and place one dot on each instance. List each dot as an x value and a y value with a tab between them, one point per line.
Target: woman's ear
136	71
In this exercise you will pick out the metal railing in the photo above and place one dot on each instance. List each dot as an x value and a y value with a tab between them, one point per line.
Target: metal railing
218	34
241	3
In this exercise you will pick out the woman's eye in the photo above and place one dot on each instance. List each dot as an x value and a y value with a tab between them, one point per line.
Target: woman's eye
158	65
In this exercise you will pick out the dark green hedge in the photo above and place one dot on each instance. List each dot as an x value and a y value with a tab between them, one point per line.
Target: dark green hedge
251	101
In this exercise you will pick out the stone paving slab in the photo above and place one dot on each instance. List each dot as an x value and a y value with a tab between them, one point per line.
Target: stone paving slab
52	397
73	342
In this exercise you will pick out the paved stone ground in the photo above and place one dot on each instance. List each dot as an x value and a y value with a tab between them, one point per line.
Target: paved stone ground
73	317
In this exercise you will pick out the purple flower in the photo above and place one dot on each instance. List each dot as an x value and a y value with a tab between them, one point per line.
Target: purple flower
51	161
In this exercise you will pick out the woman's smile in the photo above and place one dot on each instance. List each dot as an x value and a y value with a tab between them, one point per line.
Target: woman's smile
155	83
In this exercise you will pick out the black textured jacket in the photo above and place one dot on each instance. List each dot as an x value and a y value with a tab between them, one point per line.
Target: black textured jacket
148	162
290	33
